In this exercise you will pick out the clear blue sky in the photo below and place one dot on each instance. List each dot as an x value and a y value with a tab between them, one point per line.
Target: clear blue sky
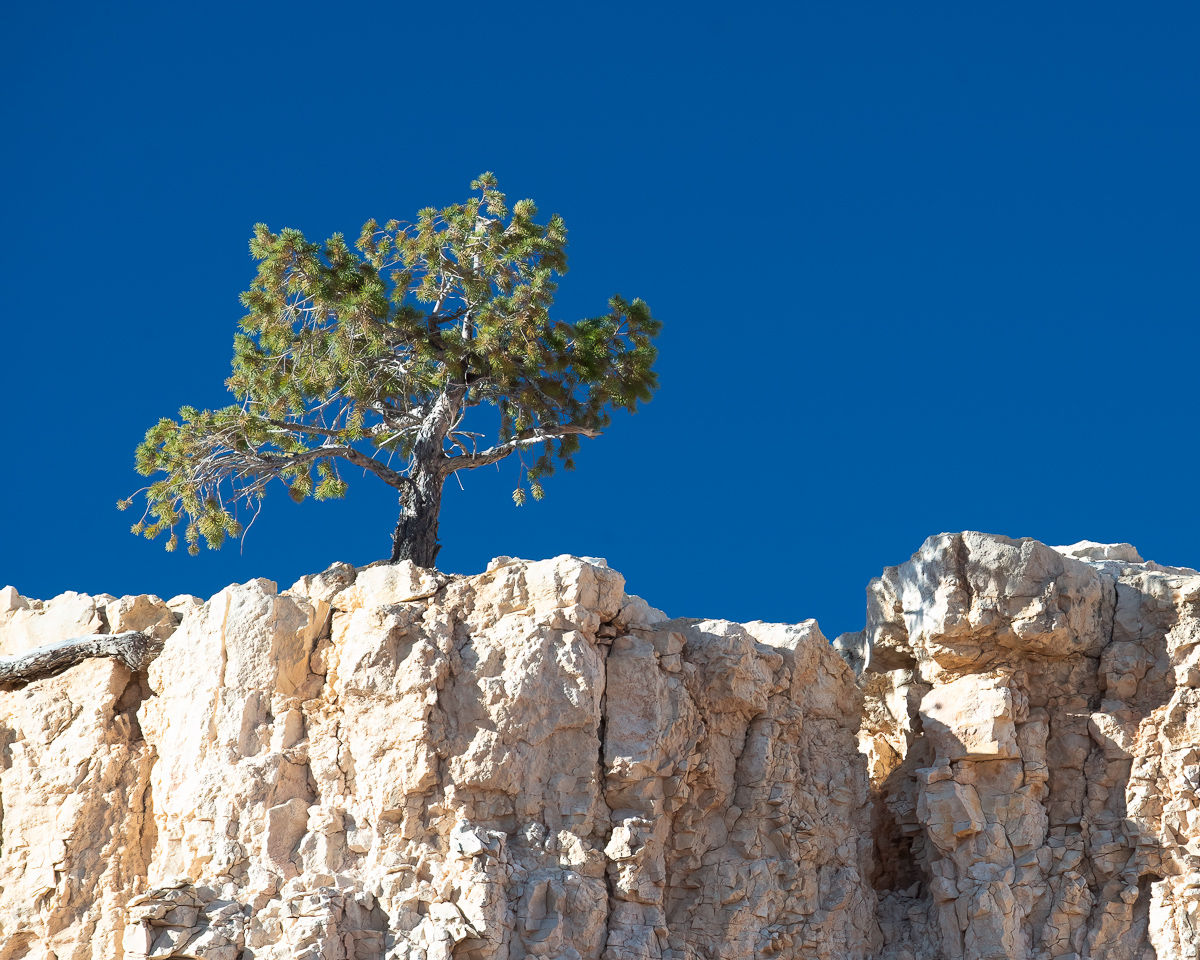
922	267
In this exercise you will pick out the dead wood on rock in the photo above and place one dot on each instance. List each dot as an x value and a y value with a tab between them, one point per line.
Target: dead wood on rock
133	648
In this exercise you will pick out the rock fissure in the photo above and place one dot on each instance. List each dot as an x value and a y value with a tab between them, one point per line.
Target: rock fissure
532	763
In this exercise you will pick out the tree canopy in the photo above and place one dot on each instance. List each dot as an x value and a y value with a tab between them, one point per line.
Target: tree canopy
374	355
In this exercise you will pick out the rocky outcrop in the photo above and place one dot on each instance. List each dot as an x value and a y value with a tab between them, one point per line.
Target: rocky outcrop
388	762
1032	727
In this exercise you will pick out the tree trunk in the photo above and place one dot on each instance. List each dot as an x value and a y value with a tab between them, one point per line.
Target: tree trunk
134	649
416	534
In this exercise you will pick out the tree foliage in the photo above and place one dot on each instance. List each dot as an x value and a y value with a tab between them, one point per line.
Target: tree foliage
373	355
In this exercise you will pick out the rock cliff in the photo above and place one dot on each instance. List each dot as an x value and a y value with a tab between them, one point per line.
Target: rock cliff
388	762
394	763
1032	726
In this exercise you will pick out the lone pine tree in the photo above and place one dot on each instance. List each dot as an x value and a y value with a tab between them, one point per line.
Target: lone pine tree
374	356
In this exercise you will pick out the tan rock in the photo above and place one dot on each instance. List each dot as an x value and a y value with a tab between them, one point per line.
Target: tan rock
530	762
27	624
970	718
376	585
145	613
74	776
11	601
1031	714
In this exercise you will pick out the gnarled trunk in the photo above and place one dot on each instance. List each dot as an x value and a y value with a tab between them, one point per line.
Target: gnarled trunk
416	535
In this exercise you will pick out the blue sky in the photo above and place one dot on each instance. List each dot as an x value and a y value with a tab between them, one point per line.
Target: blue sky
922	267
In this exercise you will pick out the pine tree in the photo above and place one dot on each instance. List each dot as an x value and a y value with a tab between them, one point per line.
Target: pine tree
374	356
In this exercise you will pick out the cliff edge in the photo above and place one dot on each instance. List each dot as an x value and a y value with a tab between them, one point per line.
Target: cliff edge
387	762
390	762
1032	723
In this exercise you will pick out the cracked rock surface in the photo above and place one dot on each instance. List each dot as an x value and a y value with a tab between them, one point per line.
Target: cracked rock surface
390	762
1032	729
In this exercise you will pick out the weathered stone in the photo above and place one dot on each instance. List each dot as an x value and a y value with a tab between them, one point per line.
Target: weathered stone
529	762
970	718
27	624
1041	786
392	762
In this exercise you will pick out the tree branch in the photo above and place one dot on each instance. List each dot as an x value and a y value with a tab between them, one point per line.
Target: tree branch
526	438
134	649
306	428
274	463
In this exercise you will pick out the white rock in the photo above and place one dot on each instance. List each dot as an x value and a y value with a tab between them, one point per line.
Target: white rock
146	613
418	771
1090	550
1043	826
374	586
325	585
184	604
970	718
10	600
531	762
28	625
636	612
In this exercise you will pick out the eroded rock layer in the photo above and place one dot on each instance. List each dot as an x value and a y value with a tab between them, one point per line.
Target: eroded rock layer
1032	726
393	763
387	762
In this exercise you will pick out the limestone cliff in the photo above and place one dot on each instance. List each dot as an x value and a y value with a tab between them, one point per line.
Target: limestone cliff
393	763
1032	723
387	762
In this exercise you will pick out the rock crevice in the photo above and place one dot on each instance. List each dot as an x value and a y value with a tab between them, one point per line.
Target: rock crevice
385	762
389	762
1026	776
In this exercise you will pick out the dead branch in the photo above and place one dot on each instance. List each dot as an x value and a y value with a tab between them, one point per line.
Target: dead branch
133	648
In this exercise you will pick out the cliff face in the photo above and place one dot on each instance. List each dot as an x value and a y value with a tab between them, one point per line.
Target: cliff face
1032	724
389	762
385	762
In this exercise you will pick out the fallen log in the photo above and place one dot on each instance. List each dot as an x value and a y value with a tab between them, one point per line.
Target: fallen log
133	648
